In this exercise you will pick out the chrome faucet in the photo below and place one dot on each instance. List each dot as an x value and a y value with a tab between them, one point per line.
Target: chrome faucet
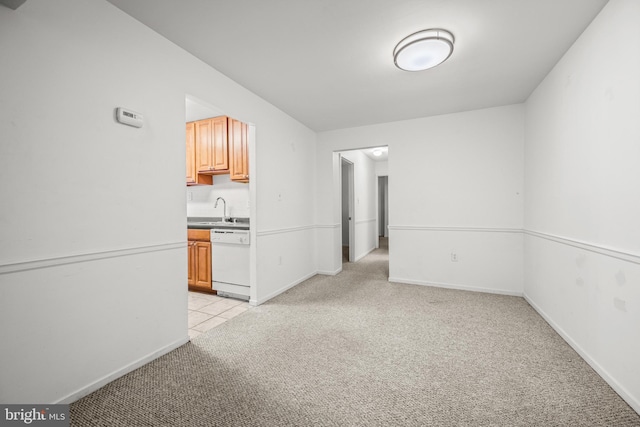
224	211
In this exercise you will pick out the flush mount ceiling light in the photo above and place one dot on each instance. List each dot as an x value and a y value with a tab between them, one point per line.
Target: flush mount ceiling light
423	50
378	151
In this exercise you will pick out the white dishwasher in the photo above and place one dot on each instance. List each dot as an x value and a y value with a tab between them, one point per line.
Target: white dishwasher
230	262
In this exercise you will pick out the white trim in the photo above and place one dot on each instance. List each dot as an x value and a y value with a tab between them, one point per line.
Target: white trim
592	247
365	254
284	230
90	256
255	302
467	229
338	225
635	404
456	286
293	229
362	221
330	273
603	250
101	382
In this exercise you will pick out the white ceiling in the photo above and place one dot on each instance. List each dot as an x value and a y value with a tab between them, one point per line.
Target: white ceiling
329	64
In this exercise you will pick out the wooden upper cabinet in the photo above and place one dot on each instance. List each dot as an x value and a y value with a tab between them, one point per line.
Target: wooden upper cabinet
238	151
191	153
193	177
219	143
211	145
215	146
204	152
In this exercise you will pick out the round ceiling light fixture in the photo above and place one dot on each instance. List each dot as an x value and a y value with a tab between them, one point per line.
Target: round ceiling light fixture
423	50
378	151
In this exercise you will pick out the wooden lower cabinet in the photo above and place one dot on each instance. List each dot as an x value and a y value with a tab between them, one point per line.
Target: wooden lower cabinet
199	256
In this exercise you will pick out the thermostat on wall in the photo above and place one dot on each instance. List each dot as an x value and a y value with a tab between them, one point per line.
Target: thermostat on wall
128	117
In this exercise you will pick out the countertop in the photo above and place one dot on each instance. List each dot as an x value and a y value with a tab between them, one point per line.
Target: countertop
208	223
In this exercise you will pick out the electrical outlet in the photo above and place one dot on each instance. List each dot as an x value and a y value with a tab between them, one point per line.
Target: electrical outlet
189	196
454	257
280	260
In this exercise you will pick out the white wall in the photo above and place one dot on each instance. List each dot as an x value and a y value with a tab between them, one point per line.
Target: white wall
582	244
381	168
196	109
456	184
285	205
203	198
93	213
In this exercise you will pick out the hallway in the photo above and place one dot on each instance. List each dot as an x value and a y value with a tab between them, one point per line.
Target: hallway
383	248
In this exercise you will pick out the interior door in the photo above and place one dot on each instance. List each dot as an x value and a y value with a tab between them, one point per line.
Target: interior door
348	207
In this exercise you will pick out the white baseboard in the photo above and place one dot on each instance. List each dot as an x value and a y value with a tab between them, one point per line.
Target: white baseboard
365	254
457	287
90	388
255	302
633	401
281	290
329	273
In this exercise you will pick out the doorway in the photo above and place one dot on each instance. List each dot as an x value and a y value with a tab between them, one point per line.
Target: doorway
383	206
383	213
348	232
357	202
206	310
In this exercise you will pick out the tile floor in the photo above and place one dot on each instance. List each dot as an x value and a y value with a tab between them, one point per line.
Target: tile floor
208	311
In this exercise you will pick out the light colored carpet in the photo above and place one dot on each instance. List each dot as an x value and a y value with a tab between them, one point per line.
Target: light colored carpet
355	350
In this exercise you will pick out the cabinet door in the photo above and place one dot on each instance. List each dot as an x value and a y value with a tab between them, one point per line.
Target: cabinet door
191	256
238	146
220	146
203	267
204	149
191	153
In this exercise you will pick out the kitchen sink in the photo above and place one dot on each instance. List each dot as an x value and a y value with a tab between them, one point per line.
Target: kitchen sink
234	224
218	223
